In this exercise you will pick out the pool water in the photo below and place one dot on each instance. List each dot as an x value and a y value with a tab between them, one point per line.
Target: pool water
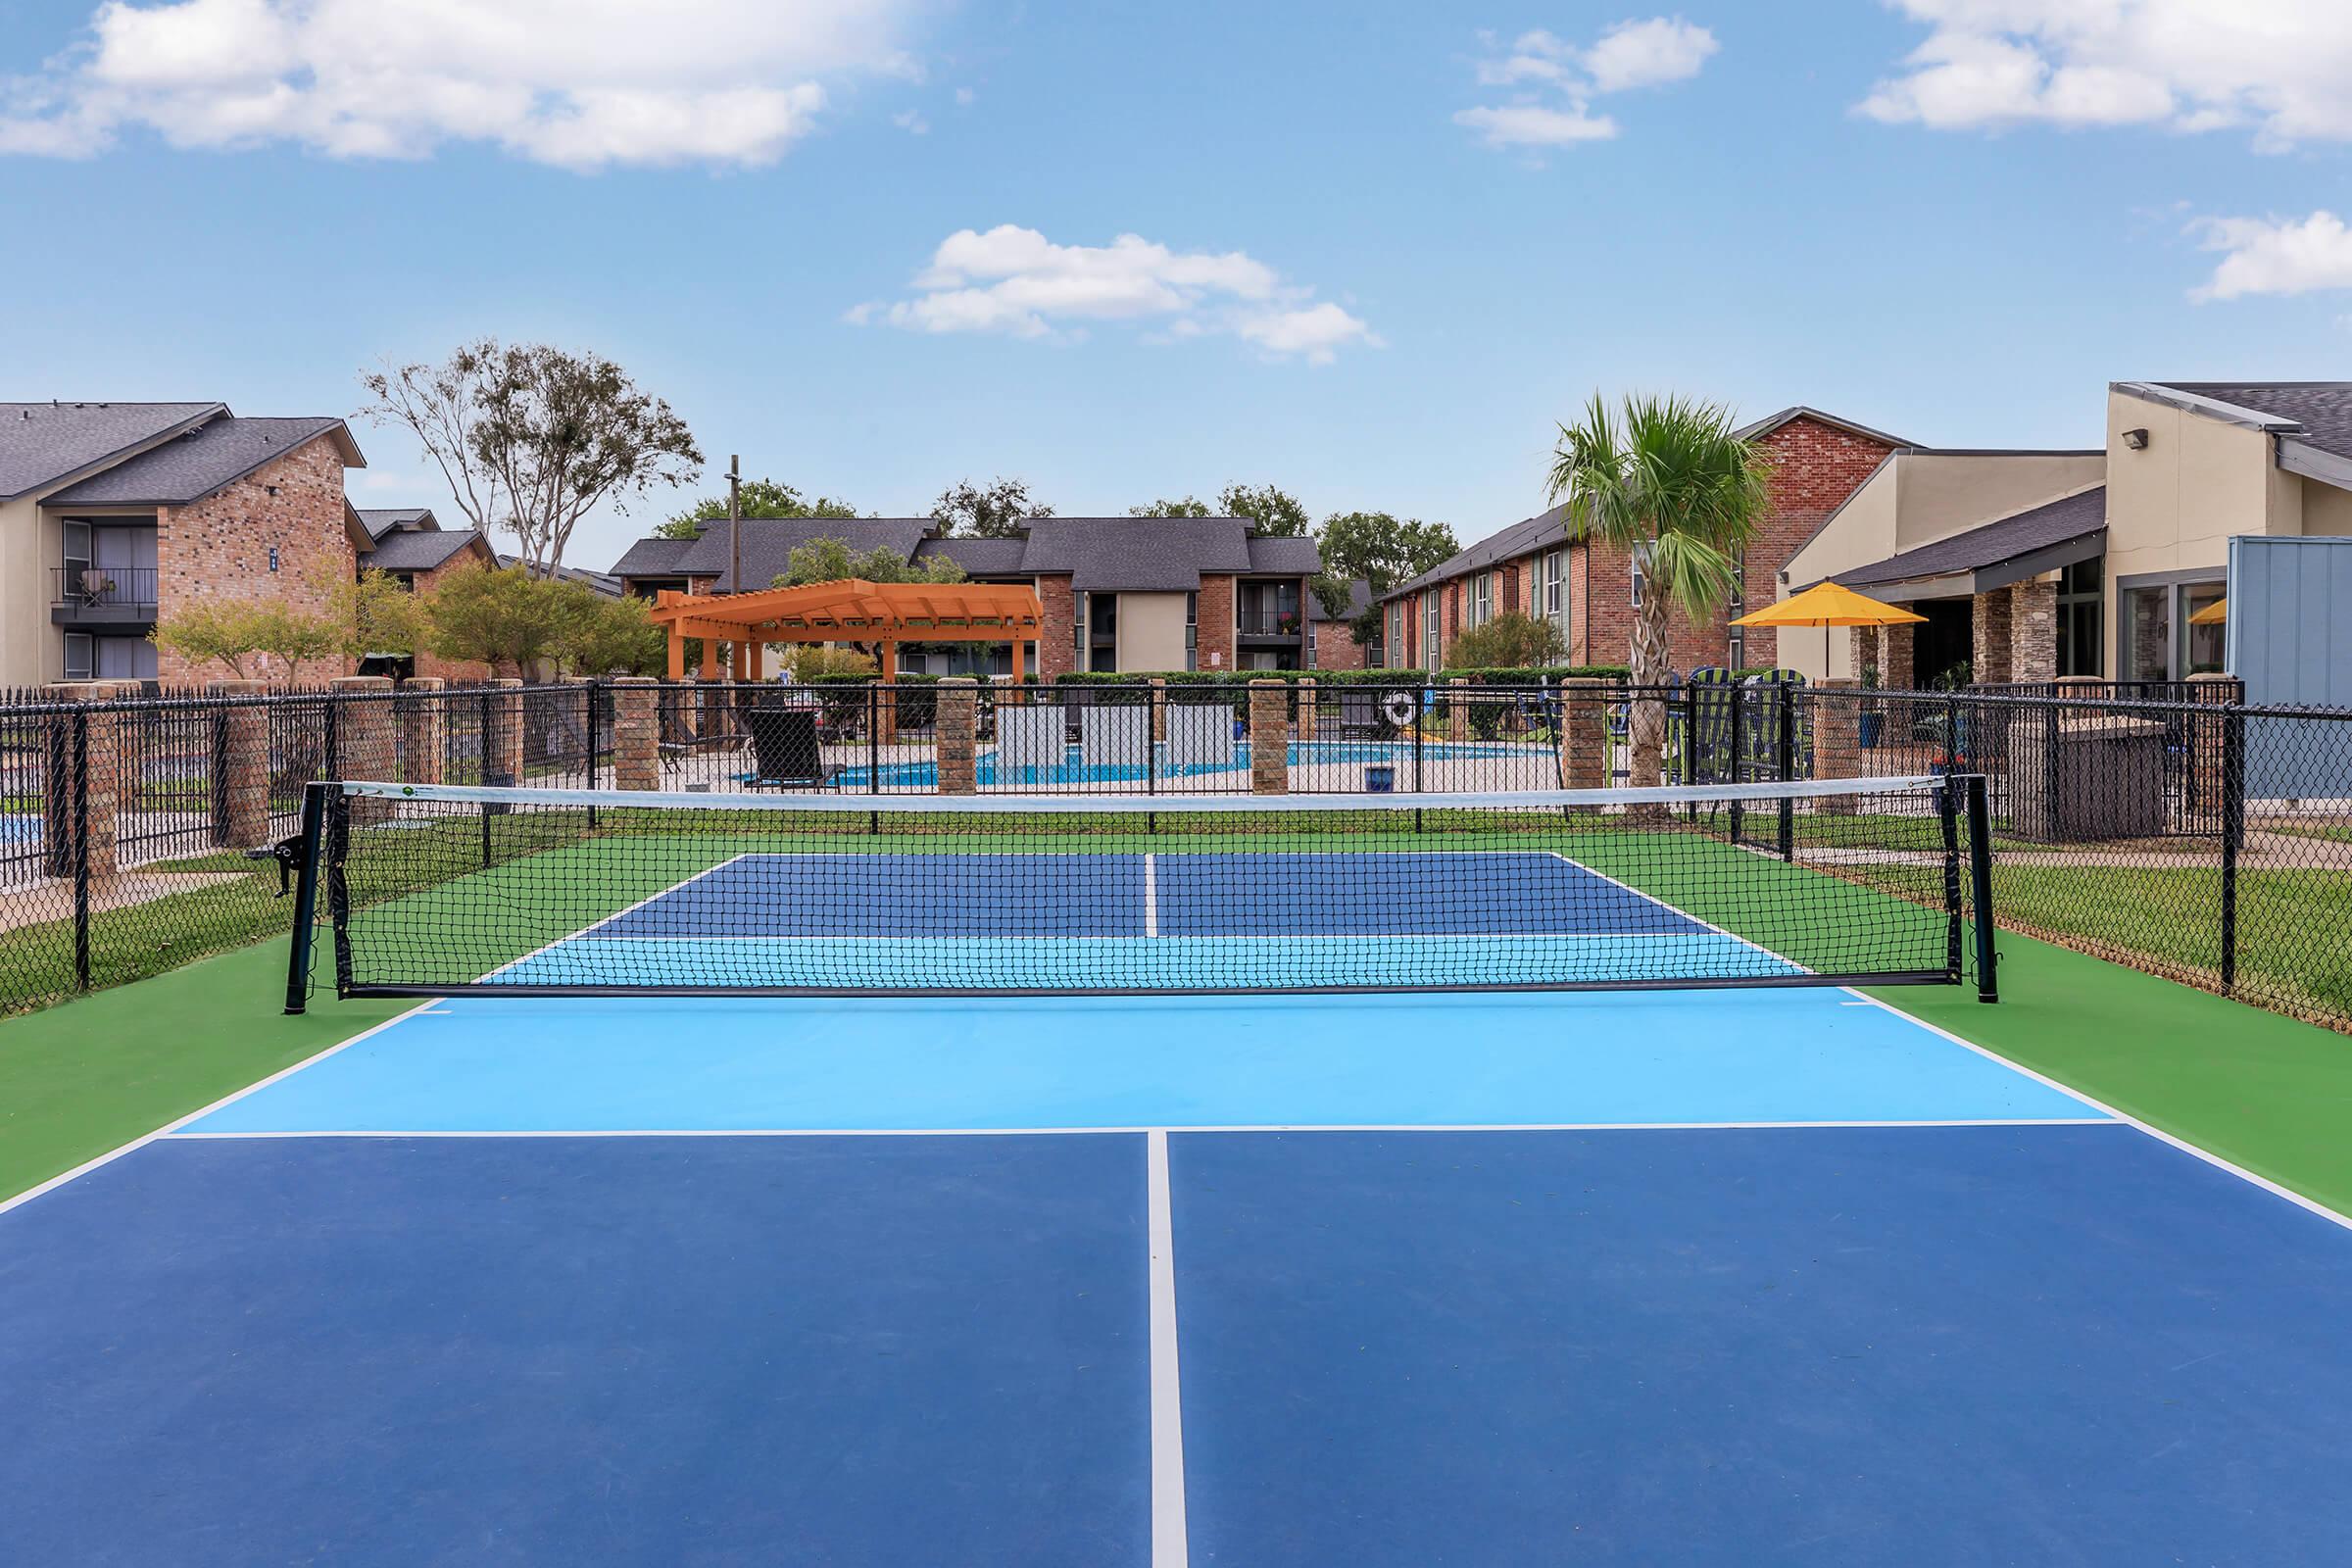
1074	769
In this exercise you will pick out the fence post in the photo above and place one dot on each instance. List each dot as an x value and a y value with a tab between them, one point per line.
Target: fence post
502	732
364	733
886	711
240	764
1306	709
1269	737
85	759
1583	739
636	733
2234	834
1458	709
423	730
956	723
1837	741
1160	710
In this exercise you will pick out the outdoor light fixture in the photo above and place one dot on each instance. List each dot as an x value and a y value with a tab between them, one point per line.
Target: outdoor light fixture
2136	440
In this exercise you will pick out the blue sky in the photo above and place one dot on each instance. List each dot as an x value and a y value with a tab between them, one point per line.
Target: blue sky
1927	215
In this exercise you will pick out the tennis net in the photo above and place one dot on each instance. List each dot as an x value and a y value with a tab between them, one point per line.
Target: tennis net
446	889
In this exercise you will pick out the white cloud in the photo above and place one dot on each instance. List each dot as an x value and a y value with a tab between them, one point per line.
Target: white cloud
1016	281
912	123
2282	67
2277	256
1554	81
580	84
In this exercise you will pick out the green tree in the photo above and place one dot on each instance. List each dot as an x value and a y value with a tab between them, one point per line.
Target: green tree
1666	480
995	511
761	498
615	636
1271	513
832	559
1512	640
252	639
532	438
375	612
508	619
1188	507
1384	551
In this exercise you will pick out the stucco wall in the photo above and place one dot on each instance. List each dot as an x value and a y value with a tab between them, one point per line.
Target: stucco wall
25	655
1150	631
2175	506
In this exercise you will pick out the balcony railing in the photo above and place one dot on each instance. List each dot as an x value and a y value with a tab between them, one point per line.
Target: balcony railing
122	591
1256	620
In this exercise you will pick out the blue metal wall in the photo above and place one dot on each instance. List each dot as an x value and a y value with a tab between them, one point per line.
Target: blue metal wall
2290	641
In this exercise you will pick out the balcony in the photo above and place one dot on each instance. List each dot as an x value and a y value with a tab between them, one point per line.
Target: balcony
1268	621
100	597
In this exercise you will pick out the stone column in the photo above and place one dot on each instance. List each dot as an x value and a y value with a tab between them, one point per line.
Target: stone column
957	727
1457	709
2208	737
424	728
1584	738
1269	737
1868	654
636	733
1895	674
1989	643
1838	742
1306	709
502	747
104	766
2034	630
1160	711
240	764
365	730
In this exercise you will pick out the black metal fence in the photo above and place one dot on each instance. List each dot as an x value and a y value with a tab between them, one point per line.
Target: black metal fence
2202	840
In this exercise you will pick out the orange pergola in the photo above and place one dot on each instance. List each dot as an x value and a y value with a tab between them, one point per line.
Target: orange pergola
847	611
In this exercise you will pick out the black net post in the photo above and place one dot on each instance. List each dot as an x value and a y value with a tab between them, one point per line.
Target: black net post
306	898
1948	811
335	857
1980	880
592	693
1784	721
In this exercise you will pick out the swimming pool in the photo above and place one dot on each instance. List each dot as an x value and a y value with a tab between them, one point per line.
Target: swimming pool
1073	769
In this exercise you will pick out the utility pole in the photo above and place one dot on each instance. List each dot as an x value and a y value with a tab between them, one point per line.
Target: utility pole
735	524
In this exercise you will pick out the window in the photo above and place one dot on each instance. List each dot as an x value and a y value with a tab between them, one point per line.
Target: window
1551	588
1394	616
1482	599
81	659
2147	632
2203	649
93	657
1635	567
1191	631
2156	640
1736	650
1432	631
2082	638
1311	650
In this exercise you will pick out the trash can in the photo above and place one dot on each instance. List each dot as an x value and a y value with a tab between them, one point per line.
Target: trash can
1380	778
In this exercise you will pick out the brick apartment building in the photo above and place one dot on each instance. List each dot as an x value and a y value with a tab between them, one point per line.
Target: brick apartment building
114	515
1590	591
409	545
1120	594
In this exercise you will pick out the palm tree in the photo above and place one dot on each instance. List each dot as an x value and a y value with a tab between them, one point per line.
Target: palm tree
1666	480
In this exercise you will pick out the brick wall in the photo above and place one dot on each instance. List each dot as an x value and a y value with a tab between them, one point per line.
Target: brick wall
1055	655
1335	646
219	548
1212	616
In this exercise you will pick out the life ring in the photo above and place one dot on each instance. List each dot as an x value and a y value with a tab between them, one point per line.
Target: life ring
1399	709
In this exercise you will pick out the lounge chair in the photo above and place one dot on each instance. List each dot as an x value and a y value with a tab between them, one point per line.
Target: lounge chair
785	750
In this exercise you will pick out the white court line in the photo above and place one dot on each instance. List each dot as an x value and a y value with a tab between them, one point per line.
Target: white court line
172	1128
1202	1127
1170	1546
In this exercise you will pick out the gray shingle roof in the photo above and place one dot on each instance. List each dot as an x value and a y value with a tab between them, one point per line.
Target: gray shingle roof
979	558
2324	409
2078	517
381	521
769	544
1149	554
1544	529
194	466
416	548
653	557
1359	600
1285	557
41	443
603	582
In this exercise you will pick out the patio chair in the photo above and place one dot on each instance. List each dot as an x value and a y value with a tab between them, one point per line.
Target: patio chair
785	750
1359	713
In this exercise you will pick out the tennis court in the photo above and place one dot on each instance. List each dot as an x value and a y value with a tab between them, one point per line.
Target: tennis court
1522	1273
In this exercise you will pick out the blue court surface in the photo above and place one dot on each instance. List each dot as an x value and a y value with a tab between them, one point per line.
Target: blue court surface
1690	1278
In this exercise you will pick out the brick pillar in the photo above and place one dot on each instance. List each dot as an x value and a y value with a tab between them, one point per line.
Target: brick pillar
2034	630
1457	709
365	729
240	764
1895	674
1160	711
104	772
502	748
1584	734
957	727
1269	737
886	711
1306	709
424	728
636	733
1989	643
1837	741
1868	652
2207	737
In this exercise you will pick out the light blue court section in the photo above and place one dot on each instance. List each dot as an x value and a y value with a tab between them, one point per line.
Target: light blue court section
1169	963
479	1064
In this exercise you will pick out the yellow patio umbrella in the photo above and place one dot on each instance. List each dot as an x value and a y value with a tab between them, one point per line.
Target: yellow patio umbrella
2216	613
1826	605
